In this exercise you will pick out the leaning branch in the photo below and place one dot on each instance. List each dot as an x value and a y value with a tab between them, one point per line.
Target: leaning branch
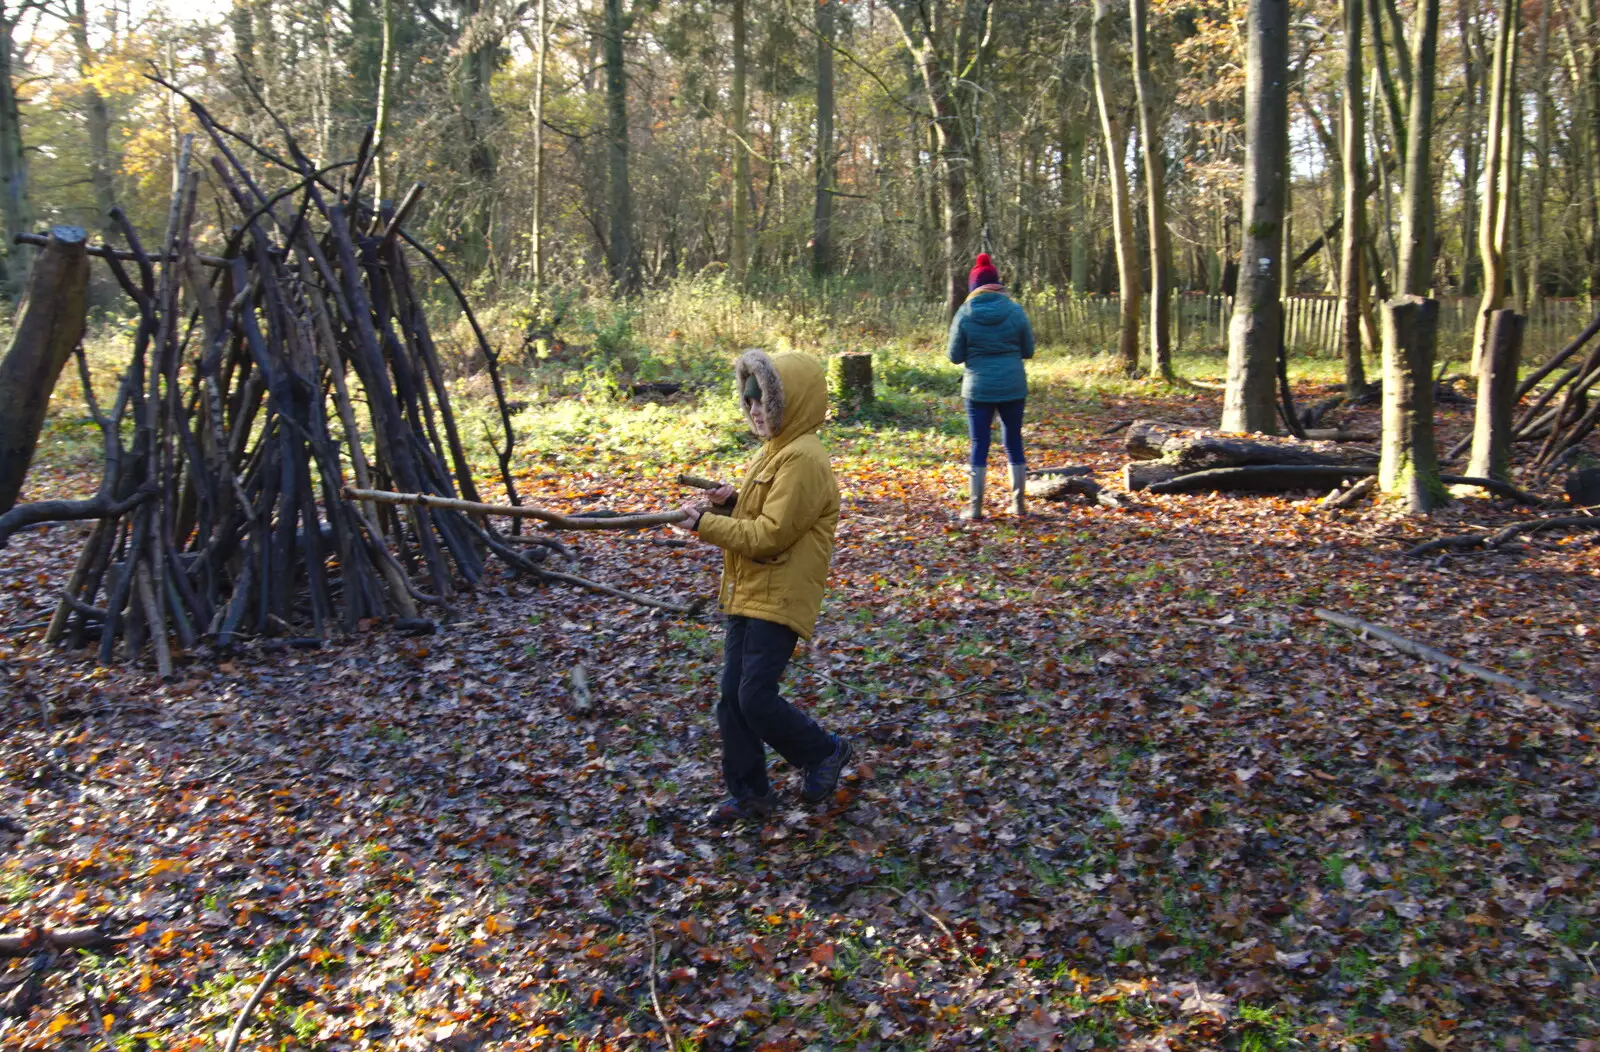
1370	631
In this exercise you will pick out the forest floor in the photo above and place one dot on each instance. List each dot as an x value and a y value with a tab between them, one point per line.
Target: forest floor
1116	787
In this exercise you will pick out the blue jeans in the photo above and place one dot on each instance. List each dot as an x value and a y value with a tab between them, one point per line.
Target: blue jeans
980	422
752	714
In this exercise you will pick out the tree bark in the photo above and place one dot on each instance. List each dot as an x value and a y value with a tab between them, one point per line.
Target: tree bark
382	177
1352	277
1255	331
1541	162
537	248
50	322
1128	290
1493	223
1155	182
1466	25
14	201
621	252
97	118
1408	467
822	211
1497	392
741	155
1416	221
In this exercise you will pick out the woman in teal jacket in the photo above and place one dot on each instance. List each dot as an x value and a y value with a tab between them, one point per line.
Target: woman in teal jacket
991	336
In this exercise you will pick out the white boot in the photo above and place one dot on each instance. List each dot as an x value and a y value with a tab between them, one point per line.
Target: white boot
976	477
1019	490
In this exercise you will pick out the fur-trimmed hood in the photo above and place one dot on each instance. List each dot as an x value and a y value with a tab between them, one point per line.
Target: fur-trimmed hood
794	392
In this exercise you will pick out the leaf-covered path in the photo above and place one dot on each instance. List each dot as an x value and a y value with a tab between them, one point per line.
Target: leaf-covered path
1117	787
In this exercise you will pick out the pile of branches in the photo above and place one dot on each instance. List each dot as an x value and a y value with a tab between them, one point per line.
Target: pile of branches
1562	414
226	514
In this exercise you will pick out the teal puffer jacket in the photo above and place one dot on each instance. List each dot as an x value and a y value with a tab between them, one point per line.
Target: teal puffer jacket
991	336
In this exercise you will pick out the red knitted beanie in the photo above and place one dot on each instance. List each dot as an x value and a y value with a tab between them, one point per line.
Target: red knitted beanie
983	272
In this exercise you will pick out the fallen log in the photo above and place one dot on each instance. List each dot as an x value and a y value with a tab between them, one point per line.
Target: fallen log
1344	498
1198	449
1142	474
1277	478
1264	478
1505	534
1060	487
1439	657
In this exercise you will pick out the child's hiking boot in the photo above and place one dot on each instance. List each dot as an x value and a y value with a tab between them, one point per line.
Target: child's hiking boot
823	779
736	809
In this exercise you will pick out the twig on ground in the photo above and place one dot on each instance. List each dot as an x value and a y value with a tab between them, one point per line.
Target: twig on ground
17	630
871	693
95	1011
941	925
272	976
1501	536
1337	499
1439	657
655	1000
633	597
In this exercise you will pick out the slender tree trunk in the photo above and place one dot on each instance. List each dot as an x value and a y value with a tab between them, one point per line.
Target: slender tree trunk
1466	22
1497	162
1352	278
382	178
1155	183
98	119
623	253
1541	163
1254	333
1416	219
14	201
1497	398
741	155
1117	177
538	240
1074	189
822	211
1408	466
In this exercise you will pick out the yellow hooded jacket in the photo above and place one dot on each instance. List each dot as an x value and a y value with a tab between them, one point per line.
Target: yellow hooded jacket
778	543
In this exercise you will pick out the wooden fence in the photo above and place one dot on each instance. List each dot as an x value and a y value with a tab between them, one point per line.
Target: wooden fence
1312	326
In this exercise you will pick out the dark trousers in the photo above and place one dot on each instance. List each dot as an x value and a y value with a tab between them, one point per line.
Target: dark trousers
752	715
980	423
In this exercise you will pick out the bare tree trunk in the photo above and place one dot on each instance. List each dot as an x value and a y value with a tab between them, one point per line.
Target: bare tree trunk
822	211
1117	176
622	252
538	246
1466	23
1352	275
50	322
1254	333
1075	189
1493	224
97	117
741	154
1409	464
382	178
1155	184
1416	220
1497	398
1541	164
14	202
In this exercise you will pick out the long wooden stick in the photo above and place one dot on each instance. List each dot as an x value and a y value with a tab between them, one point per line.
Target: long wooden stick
1439	657
553	519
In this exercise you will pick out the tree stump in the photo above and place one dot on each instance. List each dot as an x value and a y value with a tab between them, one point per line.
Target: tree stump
1409	464
852	379
50	322
1497	392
